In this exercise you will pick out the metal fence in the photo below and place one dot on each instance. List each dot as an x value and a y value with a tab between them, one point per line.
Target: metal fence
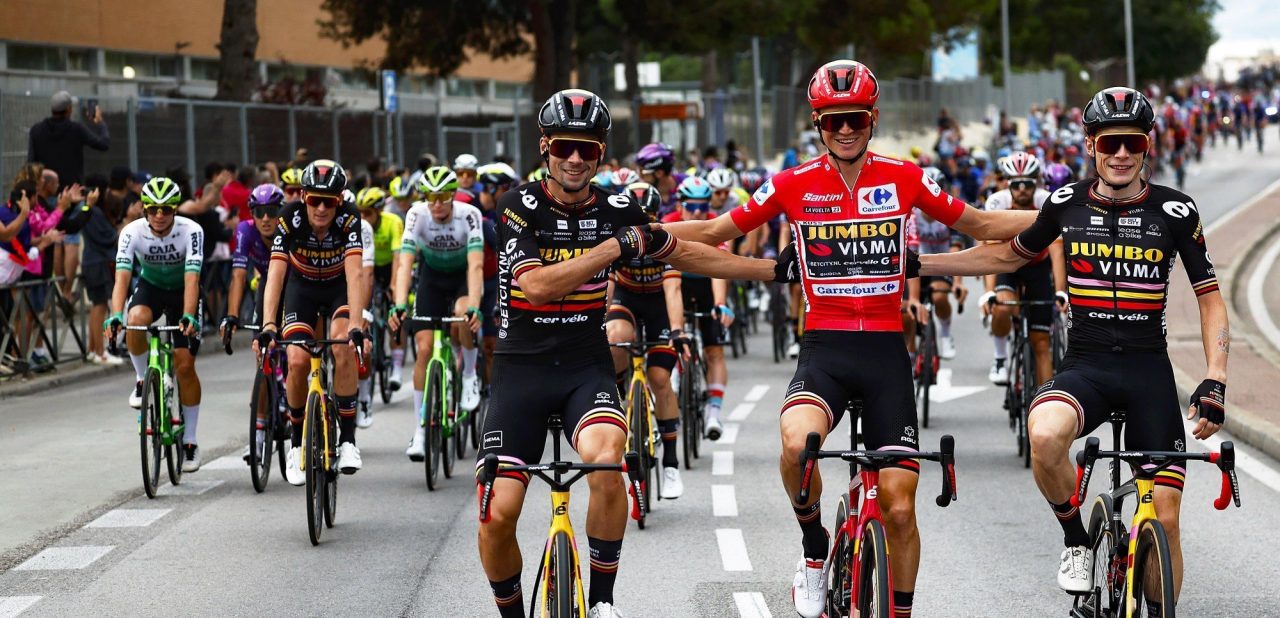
35	313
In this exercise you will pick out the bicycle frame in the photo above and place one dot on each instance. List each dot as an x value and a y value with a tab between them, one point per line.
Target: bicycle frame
160	358
441	355
316	385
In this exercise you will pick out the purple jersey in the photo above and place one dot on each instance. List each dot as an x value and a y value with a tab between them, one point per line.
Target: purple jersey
250	248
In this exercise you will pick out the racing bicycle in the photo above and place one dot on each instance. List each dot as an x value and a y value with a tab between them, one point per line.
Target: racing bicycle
642	424
160	423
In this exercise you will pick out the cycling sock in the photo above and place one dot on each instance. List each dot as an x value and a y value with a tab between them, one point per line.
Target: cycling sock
604	569
715	399
366	390
507	595
944	327
397	358
1002	346
346	418
190	417
417	405
469	361
902	603
814	538
1154	610
1073	534
139	364
296	418
670	429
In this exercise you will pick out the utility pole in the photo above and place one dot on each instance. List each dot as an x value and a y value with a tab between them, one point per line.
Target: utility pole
1128	41
1004	29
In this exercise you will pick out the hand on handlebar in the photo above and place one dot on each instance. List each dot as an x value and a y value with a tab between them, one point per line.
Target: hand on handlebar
473	319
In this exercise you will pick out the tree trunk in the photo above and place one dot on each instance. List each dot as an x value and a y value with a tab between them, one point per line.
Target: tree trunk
238	48
552	23
631	64
710	71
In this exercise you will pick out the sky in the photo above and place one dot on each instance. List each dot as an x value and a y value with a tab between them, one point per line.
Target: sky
961	63
1244	26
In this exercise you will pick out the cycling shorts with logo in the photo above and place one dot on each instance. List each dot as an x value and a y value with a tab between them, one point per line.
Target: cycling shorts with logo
1140	382
647	314
436	293
1033	281
527	390
169	304
839	367
305	302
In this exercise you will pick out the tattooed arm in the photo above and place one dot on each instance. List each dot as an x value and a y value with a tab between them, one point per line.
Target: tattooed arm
1216	335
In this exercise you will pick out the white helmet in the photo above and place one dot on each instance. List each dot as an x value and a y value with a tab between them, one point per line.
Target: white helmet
465	162
722	178
1020	165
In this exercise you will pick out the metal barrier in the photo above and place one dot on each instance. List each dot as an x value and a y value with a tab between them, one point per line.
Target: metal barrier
61	324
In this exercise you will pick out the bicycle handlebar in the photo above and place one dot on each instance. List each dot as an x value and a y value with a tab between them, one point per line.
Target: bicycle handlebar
489	473
1225	459
945	456
425	320
113	343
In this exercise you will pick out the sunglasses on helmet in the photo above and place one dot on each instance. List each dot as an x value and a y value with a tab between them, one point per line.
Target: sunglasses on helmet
1110	143
857	120
322	201
563	148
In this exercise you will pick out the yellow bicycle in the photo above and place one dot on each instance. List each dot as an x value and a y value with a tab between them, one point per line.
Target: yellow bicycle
642	424
558	587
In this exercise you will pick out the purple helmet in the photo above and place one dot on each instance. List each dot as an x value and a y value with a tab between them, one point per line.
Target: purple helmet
1056	175
655	156
266	195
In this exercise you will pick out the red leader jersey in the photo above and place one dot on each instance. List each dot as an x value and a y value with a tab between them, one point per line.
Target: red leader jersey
850	242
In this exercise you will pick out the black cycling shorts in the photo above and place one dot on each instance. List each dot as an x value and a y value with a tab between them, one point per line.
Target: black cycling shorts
382	276
1032	282
305	302
699	298
1140	383
647	314
837	367
926	285
489	308
169	304
527	390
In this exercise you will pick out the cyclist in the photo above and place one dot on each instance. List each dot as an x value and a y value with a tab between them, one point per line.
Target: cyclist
387	232
1122	236
401	191
170	250
646	305
656	162
1042	279
848	209
623	178
933	236
706	295
449	237
1056	176
316	272
498	178
253	241
291	184
465	166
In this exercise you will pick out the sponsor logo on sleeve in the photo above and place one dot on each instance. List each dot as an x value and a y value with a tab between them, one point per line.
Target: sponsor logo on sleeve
1061	195
878	199
528	200
930	184
619	201
763	192
1178	209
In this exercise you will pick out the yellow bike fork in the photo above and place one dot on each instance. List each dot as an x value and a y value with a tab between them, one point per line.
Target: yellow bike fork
1146	511
560	523
314	386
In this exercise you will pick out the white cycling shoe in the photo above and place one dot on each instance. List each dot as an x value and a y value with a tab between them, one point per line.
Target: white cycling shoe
794	350
417	450
293	471
470	392
364	414
135	397
999	374
604	610
1075	570
947	347
395	379
672	486
713	428
349	461
190	458
809	588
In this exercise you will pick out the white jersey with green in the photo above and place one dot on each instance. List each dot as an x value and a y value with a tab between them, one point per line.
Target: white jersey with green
164	259
366	239
443	246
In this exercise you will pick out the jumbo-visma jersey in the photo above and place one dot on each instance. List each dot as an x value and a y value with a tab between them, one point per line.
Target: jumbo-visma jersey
850	242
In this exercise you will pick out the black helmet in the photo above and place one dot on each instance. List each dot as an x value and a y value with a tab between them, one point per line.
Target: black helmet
324	177
1118	107
647	196
575	111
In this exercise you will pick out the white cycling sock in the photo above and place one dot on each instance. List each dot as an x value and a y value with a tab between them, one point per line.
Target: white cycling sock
366	389
944	327
139	365
469	361
190	417
397	358
417	405
1002	346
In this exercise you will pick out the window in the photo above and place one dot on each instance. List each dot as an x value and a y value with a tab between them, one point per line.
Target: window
131	65
204	69
508	90
456	87
277	72
45	58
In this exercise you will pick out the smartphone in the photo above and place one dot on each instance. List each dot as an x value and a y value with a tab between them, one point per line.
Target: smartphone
90	109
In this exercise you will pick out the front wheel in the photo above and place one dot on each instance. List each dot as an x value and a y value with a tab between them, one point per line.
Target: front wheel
149	430
875	599
1109	559
1152	570
562	586
262	411
638	420
173	451
331	471
927	376
314	454
840	572
431	419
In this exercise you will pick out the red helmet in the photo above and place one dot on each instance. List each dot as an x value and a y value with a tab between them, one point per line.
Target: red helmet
843	82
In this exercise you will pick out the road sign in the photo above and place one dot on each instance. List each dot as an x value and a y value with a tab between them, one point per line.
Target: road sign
389	100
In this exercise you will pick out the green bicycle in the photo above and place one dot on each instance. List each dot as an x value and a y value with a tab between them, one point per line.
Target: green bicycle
444	420
160	422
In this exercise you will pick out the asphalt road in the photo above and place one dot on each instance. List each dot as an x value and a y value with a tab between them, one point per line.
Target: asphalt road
78	538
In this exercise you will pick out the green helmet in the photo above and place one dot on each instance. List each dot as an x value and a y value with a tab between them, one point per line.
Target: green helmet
400	188
436	179
537	175
161	191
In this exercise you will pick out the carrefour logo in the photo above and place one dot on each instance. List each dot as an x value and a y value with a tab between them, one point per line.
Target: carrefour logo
879	199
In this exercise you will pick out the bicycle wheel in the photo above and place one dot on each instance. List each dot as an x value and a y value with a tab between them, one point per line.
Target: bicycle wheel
262	401
149	429
435	440
382	360
173	450
560	580
638	424
688	425
1152	570
476	418
875	599
449	426
1110	555
928	352
1028	381
331	473
840	573
461	420
313	443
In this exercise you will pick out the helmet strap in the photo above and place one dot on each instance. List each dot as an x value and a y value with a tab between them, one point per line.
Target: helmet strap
850	160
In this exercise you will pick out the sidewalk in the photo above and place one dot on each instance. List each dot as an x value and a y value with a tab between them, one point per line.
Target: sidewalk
1235	241
67	373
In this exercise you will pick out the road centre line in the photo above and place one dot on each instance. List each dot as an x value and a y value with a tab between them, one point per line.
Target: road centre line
751	605
65	558
722	463
730	434
128	518
12	606
742	411
756	393
733	549
724	501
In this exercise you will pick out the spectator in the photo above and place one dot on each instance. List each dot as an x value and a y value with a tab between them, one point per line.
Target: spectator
100	236
218	224
949	137
15	245
58	141
301	158
46	212
235	195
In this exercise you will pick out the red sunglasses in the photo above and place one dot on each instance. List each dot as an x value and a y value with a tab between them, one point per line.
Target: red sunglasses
322	201
857	120
563	148
1134	143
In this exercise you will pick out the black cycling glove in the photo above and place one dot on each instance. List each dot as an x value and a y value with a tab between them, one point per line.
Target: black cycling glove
680	341
633	241
913	264
786	267
1210	401
267	337
357	337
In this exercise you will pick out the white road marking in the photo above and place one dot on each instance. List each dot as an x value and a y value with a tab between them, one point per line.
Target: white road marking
1231	214
733	549
756	393
944	391
751	605
62	558
188	488
742	411
1244	461
722	463
730	434
724	501
12	606
229	462
128	518
1258	304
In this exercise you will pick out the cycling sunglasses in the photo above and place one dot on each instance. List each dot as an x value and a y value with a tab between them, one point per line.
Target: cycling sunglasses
289	191
1022	183
440	196
563	148
857	120
1110	143
325	201
696	206
722	192
155	210
270	212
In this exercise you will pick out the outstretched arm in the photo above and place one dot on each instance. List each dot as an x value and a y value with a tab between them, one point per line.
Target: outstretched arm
710	232
706	260
980	260
994	224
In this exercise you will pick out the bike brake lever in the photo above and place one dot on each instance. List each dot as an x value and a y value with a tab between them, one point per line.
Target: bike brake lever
947	448
808	461
632	463
1084	469
484	492
1226	460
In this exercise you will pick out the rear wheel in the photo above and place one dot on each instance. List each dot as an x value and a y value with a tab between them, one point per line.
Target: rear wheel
476	418
382	360
462	420
434	440
1109	559
927	353
1028	380
688	418
262	410
449	428
331	473
875	598
638	423
149	429
840	572
314	468
1152	570
173	451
